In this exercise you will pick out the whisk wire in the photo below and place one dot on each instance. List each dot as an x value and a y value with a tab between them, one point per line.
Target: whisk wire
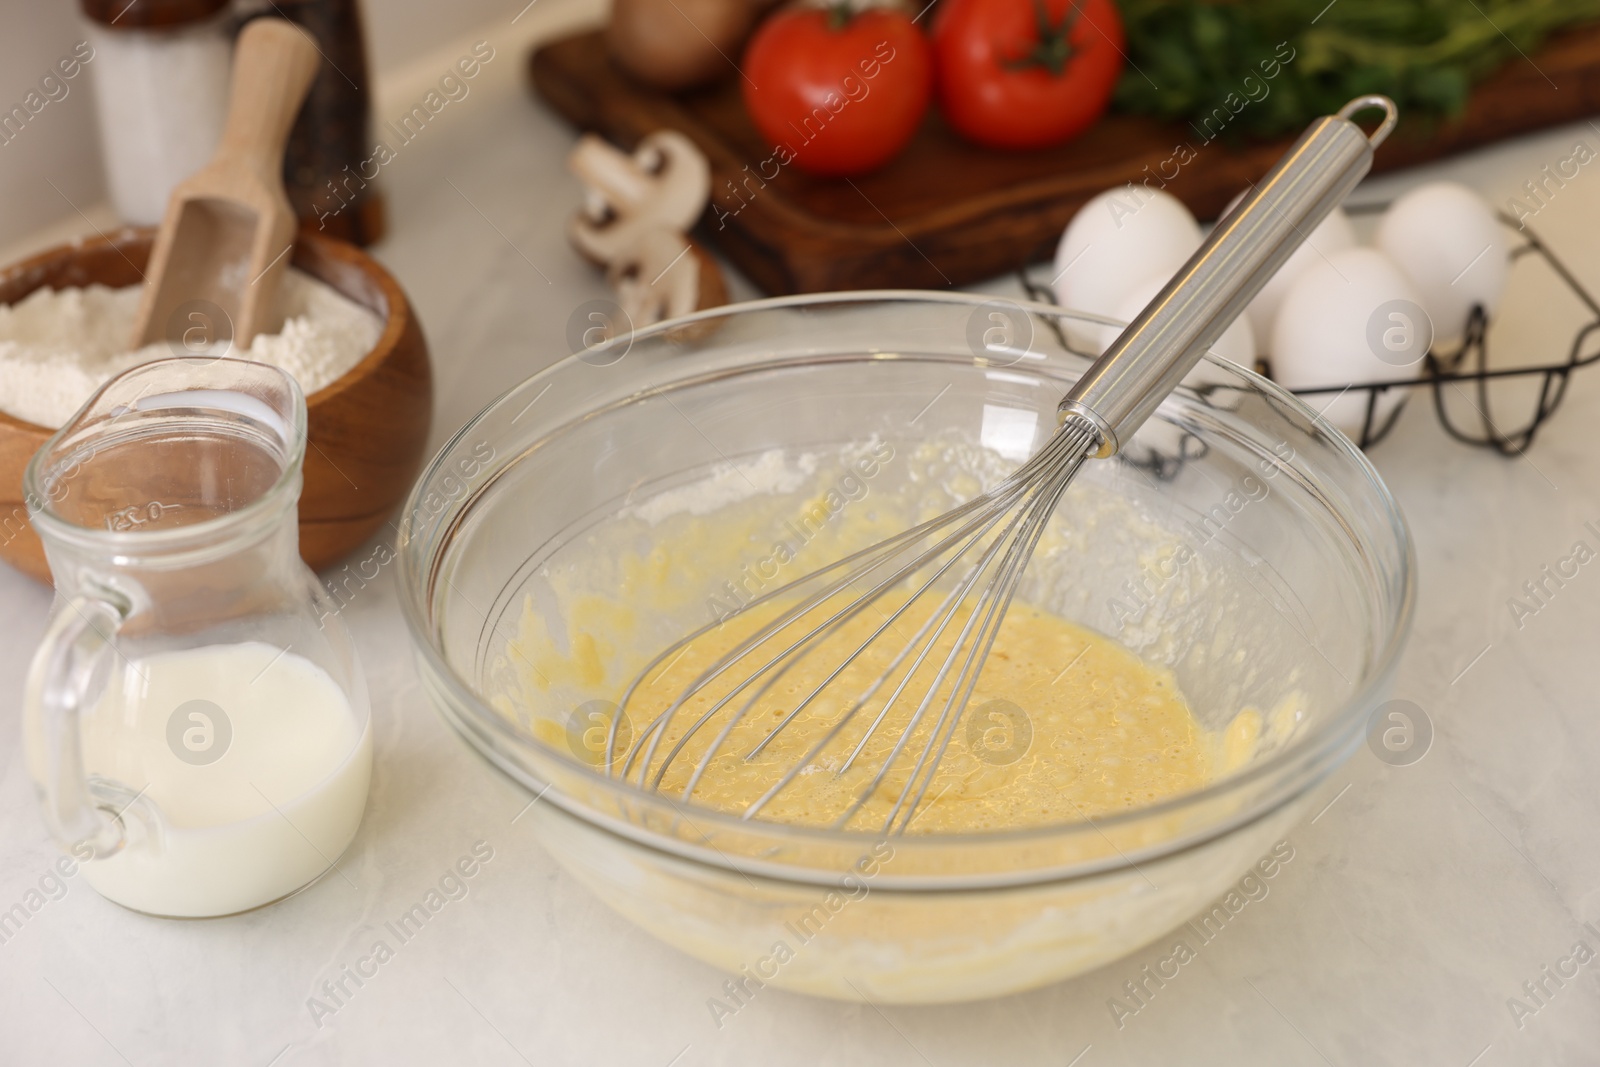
978	653
885	549
844	664
994	501
860	702
787	657
949	613
1076	440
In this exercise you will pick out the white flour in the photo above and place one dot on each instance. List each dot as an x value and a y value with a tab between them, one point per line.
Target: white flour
767	473
58	346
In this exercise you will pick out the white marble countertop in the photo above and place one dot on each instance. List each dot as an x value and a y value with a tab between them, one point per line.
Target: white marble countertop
1418	902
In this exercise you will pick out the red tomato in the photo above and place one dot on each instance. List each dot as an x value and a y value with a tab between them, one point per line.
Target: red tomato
836	93
1026	73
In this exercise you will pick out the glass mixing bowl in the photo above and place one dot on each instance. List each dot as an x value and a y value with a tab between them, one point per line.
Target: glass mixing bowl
1237	540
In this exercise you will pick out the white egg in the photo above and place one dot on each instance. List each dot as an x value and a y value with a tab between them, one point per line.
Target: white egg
1332	235
1353	317
1445	237
1116	241
1237	342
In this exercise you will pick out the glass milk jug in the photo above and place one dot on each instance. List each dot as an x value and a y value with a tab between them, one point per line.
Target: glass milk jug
195	718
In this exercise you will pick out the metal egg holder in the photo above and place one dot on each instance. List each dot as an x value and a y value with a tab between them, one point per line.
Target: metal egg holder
1467	363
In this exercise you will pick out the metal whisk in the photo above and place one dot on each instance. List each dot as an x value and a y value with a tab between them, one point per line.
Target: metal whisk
970	559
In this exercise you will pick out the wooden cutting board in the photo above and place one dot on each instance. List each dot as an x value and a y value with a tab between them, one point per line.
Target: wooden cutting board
946	213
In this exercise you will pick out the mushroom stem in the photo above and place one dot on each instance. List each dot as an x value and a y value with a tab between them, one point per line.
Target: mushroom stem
614	174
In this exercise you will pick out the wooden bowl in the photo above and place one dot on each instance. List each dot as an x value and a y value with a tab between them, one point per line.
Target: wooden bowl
367	430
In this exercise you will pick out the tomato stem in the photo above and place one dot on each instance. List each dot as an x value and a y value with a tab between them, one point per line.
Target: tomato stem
1054	47
839	15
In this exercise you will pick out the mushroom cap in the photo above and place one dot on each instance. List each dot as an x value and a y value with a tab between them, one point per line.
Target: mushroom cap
665	183
671	156
663	276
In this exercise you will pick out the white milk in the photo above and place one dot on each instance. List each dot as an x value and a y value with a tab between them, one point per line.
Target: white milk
260	785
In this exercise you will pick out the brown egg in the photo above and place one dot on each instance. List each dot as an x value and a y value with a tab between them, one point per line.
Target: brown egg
678	44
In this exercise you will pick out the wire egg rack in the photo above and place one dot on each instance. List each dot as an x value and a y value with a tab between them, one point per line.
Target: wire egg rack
1465	366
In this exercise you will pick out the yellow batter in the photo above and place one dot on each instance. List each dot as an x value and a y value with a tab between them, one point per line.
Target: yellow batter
1064	723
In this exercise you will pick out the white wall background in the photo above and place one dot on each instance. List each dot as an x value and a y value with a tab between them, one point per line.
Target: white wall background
61	146
399	31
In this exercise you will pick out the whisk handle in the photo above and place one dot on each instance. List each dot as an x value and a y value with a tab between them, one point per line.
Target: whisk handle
1241	254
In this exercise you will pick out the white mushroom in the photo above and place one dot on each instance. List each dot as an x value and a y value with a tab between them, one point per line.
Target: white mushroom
664	183
664	275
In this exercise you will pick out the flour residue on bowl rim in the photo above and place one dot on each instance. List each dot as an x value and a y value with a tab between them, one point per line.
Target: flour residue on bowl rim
772	472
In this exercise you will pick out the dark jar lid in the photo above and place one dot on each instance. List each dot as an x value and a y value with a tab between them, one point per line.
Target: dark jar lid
150	14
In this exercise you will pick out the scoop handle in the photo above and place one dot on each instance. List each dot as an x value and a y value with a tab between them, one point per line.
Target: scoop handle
1240	256
273	66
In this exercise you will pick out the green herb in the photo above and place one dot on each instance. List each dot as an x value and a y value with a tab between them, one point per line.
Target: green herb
1188	56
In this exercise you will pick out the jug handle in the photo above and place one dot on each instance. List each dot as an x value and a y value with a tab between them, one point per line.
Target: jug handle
77	640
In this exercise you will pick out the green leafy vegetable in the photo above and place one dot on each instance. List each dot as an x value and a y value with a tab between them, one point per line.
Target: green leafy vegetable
1188	56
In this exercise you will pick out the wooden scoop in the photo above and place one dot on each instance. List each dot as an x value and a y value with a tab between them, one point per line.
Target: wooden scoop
224	243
